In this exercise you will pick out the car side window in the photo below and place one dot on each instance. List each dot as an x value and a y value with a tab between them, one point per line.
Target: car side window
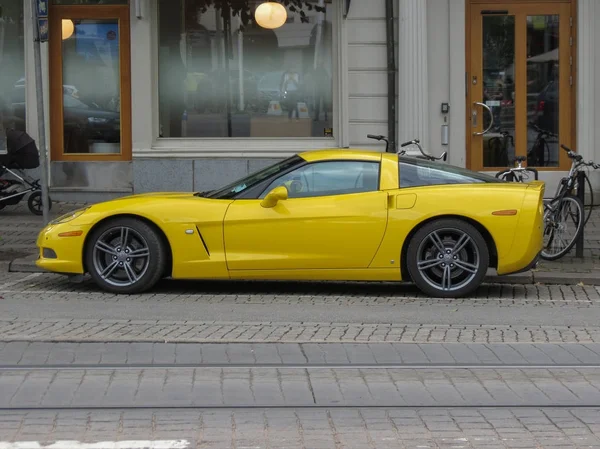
420	173
329	178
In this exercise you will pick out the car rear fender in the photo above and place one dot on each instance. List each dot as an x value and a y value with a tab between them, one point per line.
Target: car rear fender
528	238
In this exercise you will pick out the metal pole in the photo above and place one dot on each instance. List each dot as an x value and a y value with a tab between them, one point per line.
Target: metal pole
40	111
391	72
581	196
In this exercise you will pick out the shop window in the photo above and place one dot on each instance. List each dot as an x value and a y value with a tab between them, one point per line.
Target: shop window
222	74
12	63
89	65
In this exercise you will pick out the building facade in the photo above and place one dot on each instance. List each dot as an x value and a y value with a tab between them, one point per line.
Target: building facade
170	95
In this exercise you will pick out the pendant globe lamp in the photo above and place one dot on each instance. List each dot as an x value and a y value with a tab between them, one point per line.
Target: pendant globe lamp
270	15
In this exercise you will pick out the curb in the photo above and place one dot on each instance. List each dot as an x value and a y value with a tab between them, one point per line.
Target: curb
23	265
27	265
547	278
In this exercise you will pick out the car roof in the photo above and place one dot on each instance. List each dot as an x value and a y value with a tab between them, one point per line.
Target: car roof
341	154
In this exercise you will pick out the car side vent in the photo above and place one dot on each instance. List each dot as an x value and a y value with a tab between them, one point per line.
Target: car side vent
203	242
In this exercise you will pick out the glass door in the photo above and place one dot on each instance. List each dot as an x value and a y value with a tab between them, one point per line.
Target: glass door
519	86
90	83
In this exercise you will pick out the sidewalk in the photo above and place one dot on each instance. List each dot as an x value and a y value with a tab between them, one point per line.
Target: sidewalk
19	229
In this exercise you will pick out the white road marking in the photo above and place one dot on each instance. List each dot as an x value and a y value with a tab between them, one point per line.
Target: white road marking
13	283
68	444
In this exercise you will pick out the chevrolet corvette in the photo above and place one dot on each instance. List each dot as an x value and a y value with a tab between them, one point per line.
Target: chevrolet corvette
327	215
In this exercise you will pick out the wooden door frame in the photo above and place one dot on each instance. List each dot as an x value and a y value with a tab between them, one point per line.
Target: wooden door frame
571	137
56	14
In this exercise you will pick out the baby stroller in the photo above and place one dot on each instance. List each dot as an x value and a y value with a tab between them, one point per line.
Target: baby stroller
22	154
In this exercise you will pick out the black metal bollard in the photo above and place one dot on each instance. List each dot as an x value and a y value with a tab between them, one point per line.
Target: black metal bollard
581	196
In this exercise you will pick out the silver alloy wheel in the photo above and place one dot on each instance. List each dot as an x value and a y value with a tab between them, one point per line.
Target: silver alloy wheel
448	259
121	256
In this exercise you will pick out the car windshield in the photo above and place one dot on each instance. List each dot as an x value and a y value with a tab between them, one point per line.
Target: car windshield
254	179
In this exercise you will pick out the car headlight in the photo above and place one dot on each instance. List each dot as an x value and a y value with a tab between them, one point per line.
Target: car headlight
68	217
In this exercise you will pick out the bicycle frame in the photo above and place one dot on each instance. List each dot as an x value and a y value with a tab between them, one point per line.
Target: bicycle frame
34	185
411	142
566	183
517	172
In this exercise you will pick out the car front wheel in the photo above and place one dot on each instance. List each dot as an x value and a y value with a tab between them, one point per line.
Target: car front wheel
125	255
447	258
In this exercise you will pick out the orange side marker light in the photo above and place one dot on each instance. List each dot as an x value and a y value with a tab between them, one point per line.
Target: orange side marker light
70	234
505	212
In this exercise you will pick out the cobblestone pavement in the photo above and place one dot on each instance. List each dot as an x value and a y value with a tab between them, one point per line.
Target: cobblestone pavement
89	330
44	307
180	387
313	429
51	286
83	355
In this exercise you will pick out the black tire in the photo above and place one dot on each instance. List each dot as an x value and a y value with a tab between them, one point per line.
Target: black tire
99	260
474	255
34	202
575	201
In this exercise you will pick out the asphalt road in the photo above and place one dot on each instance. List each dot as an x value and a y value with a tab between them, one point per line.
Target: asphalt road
297	365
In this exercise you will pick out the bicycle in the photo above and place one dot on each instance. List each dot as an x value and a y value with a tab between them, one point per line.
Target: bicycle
556	210
499	145
518	173
537	155
405	144
430	157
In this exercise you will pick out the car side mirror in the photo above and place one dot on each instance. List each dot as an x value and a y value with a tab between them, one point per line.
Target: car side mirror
274	196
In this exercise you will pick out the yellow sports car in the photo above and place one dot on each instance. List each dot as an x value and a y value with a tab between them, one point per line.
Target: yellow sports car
320	215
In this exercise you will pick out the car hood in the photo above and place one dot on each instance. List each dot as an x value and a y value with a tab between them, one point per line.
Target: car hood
157	195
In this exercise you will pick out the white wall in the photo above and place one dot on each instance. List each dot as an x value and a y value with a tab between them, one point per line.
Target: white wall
588	91
438	63
367	71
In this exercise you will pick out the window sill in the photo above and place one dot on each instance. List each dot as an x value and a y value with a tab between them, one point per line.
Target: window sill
233	148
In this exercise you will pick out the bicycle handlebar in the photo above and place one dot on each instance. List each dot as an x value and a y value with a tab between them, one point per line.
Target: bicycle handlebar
427	156
379	137
578	157
541	130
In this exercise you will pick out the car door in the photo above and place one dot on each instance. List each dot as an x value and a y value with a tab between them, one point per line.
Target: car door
335	216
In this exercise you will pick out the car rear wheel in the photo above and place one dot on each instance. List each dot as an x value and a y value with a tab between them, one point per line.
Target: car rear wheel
125	255
447	258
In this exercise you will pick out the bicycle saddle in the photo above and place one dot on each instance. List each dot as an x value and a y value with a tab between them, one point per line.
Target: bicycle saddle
521	158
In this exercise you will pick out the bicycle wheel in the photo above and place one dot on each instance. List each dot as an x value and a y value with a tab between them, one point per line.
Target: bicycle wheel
587	204
559	235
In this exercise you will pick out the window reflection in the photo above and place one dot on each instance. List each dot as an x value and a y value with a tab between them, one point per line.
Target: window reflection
91	88
542	90
90	2
222	75
499	90
329	178
12	63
